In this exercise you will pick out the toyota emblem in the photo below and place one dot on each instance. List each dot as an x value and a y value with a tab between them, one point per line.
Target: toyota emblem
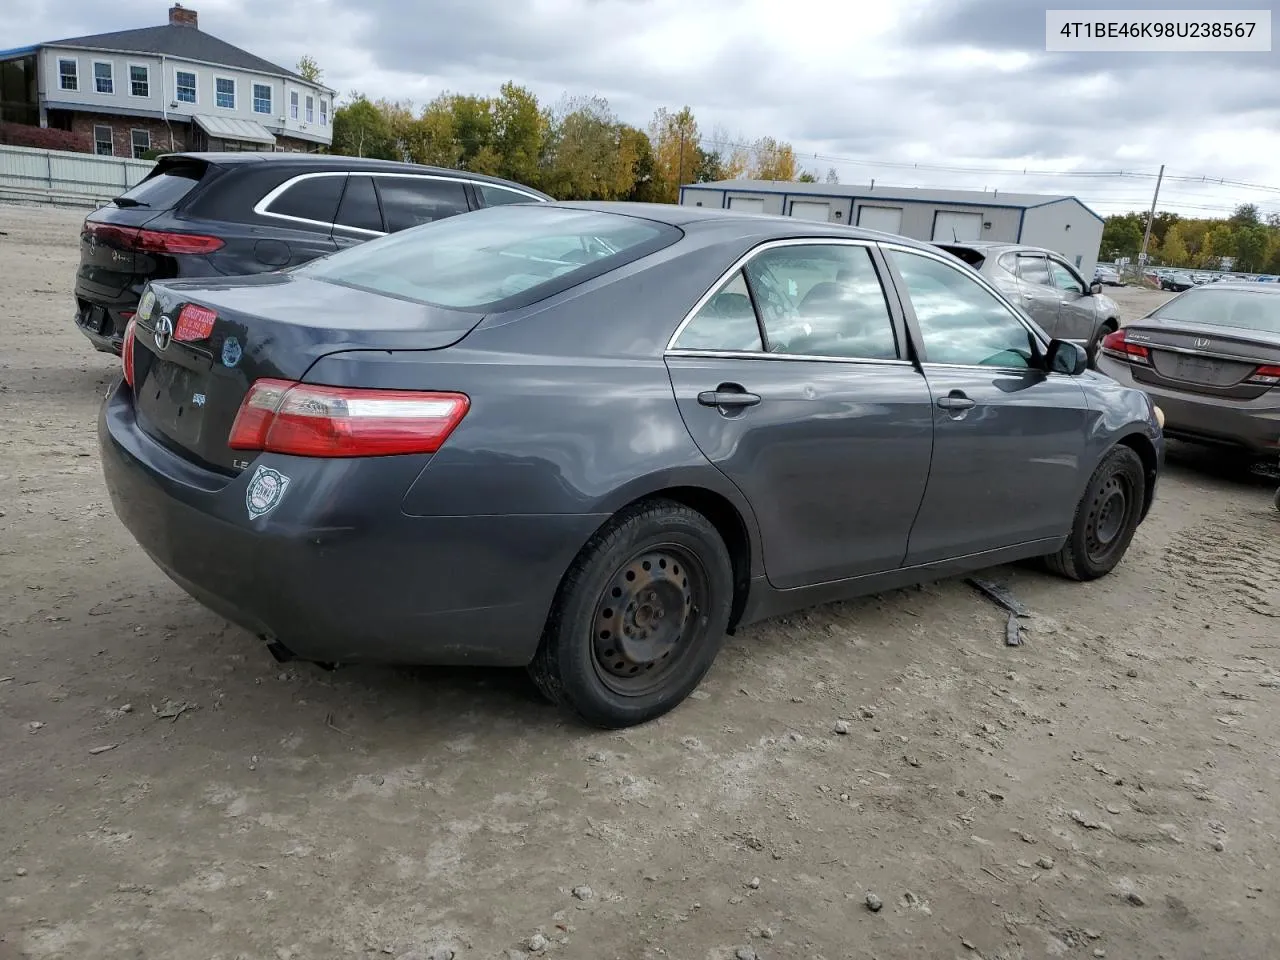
164	332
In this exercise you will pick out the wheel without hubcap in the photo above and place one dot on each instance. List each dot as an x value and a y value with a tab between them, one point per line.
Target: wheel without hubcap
1105	518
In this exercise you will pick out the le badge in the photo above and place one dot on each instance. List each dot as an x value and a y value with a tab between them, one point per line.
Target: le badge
265	491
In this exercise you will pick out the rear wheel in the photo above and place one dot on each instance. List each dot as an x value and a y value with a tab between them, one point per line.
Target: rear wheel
639	618
1111	326
1105	519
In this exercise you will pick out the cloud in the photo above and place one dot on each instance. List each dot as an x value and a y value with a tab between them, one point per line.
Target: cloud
867	88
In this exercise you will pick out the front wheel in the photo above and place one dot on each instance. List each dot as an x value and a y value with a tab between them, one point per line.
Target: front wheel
639	618
1105	518
1095	345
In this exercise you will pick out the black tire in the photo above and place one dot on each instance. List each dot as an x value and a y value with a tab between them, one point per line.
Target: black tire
1110	326
1278	498
1105	519
610	655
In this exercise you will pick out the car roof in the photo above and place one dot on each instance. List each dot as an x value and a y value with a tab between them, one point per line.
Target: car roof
990	246
1248	286
332	161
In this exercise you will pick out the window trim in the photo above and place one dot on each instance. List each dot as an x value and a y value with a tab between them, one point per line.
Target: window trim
260	208
295	102
111	138
913	325
254	98
195	86
75	62
1020	255
235	93
897	317
324	112
310	110
133	146
112	66
129	79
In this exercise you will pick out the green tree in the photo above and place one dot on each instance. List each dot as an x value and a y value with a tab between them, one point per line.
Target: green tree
584	152
638	163
832	176
1246	215
309	70
361	129
432	138
807	177
519	133
1174	250
773	160
1251	244
1121	236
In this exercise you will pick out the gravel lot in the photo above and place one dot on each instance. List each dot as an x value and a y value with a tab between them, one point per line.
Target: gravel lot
1107	789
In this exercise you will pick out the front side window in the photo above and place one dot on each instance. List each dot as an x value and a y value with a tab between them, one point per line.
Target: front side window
1064	279
261	98
225	93
103	142
184	84
311	109
410	201
68	75
960	321
104	78
726	322
293	105
140	140
139	80
1033	269
515	254
822	300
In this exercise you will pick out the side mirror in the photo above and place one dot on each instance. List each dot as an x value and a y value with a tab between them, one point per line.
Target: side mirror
1095	287
1067	356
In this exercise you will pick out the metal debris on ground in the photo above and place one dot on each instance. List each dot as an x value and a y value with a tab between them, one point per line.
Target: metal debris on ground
97	750
1002	597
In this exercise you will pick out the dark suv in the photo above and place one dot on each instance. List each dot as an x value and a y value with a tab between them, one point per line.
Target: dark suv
226	214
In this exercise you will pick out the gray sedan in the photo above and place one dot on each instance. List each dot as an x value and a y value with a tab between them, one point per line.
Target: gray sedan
591	438
1211	358
1050	290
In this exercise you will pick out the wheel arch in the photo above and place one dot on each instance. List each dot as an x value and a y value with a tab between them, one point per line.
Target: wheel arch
1142	445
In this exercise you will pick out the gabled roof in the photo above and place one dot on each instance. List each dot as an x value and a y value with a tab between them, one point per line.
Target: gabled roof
173	40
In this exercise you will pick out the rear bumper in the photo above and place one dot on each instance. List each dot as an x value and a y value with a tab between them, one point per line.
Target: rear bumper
1252	426
102	322
336	572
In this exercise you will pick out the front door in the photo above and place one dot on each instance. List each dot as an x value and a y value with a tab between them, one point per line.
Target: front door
1039	295
1077	312
791	381
1009	438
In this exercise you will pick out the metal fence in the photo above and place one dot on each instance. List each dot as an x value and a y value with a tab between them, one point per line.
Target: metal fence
56	176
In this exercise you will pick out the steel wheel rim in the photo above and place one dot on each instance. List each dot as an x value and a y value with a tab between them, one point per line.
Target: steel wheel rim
1108	517
648	619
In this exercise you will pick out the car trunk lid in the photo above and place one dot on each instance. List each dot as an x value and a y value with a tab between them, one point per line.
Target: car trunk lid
1218	362
189	383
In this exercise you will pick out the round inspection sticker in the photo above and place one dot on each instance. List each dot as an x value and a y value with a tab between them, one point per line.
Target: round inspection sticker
265	491
231	352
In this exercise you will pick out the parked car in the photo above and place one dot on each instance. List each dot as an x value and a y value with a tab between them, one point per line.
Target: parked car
592	437
1047	287
1107	276
229	214
1177	282
1210	358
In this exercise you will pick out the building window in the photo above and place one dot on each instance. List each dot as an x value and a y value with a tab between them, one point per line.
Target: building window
324	112
103	144
139	80
225	93
68	75
104	78
311	109
184	84
261	98
293	104
140	140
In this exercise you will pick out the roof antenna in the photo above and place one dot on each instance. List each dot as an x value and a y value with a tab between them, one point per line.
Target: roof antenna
954	238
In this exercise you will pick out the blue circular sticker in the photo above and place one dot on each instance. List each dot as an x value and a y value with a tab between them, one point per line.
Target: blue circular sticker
231	352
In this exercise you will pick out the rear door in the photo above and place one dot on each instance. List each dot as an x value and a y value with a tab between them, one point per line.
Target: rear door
1077	311
1009	438
359	216
791	380
1039	295
411	200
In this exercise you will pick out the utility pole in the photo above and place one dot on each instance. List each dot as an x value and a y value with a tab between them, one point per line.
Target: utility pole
1151	218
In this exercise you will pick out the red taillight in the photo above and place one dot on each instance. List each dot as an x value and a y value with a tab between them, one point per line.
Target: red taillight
1117	345
163	241
126	351
1267	375
279	416
194	323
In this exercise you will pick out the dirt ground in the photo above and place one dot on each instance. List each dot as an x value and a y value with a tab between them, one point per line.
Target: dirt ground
1107	789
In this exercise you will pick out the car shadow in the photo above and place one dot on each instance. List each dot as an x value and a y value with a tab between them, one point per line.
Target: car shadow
1220	464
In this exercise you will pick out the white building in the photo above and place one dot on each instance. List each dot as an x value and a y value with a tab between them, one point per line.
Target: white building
171	87
1059	223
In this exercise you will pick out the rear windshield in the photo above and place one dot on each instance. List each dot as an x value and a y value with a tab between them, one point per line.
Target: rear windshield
1225	308
969	255
165	187
496	258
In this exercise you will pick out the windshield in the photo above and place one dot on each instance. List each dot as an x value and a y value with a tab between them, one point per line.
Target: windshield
495	258
1225	308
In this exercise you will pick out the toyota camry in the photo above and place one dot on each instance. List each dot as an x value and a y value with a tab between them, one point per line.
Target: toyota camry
591	439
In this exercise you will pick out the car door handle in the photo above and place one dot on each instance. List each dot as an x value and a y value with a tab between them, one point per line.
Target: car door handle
955	401
728	398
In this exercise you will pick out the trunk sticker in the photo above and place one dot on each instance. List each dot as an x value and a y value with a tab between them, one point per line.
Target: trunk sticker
231	352
265	491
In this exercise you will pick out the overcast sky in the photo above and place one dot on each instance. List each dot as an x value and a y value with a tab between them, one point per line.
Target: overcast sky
866	86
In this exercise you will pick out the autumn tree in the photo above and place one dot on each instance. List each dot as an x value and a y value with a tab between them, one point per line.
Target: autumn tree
773	160
519	133
1174	250
586	161
675	140
309	70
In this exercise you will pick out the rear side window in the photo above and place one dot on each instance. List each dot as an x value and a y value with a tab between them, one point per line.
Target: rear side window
359	206
166	186
497	258
496	196
1034	269
411	201
315	198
